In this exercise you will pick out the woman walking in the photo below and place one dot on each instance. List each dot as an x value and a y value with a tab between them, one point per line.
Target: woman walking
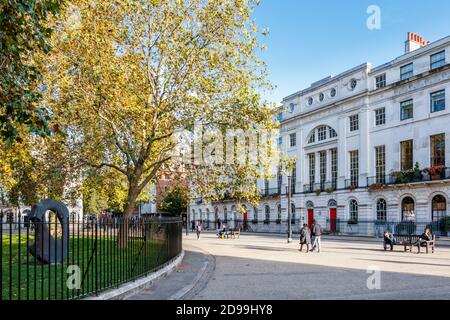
199	230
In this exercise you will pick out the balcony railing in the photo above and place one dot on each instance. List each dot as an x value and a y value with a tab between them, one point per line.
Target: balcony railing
308	188
351	184
270	192
407	177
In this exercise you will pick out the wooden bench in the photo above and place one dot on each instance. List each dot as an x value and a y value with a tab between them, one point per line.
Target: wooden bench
428	245
408	241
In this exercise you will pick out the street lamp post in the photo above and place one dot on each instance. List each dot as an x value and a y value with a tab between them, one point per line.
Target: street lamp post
289	190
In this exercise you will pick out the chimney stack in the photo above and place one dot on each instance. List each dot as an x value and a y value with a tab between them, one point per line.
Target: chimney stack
414	42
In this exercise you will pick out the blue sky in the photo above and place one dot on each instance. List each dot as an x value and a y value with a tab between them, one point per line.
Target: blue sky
310	40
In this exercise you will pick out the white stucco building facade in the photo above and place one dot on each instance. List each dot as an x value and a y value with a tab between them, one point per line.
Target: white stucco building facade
372	149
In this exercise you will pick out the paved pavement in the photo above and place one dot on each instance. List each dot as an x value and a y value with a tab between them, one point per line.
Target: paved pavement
266	267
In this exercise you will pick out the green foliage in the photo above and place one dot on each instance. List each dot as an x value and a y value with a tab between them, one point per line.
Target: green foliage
23	35
175	202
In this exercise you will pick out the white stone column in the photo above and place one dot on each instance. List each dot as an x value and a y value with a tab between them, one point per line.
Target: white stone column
365	163
343	165
317	176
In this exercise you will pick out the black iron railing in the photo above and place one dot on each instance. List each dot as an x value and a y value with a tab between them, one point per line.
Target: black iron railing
270	192
439	227
101	254
407	177
308	188
351	184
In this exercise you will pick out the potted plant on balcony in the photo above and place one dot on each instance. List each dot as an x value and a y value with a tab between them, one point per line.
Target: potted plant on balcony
375	186
417	173
318	192
435	172
330	190
351	187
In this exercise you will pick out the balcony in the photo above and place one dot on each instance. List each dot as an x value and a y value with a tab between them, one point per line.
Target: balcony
328	187
351	184
410	176
308	188
275	192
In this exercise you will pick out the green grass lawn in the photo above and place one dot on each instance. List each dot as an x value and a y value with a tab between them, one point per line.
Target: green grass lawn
106	267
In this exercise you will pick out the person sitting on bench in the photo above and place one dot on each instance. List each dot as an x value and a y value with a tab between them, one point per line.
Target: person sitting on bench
426	236
388	239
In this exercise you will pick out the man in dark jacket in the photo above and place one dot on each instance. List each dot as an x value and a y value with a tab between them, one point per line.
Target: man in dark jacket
388	239
316	231
305	237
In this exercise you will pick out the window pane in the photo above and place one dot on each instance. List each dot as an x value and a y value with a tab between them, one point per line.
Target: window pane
407	155
381	81
334	168
312	168
323	168
438	101
406	71
353	210
381	210
333	133
437	60
380	163
354	122
293	139
438	150
380	116
406	110
322	133
354	168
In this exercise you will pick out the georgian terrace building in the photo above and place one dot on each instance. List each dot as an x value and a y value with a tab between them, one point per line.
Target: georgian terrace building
372	146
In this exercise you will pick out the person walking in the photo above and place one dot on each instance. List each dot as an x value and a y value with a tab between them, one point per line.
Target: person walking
305	237
219	223
199	230
316	231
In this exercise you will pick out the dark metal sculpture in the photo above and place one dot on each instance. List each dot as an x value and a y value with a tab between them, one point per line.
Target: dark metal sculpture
46	249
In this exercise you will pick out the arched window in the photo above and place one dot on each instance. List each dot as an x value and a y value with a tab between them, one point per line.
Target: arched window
408	213
193	214
353	206
332	203
322	133
216	214
381	210
438	208
279	212
225	215
255	214
207	217
267	214
310	205
293	213
200	213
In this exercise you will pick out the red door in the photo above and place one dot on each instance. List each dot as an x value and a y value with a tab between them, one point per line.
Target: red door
333	217
245	217
310	217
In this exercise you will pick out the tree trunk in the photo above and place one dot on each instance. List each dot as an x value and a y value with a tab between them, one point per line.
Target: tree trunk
126	218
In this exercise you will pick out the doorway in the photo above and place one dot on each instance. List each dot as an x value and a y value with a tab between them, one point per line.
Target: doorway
310	217
333	217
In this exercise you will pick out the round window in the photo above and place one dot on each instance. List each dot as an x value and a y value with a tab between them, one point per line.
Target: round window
310	101
353	84
321	97
333	92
